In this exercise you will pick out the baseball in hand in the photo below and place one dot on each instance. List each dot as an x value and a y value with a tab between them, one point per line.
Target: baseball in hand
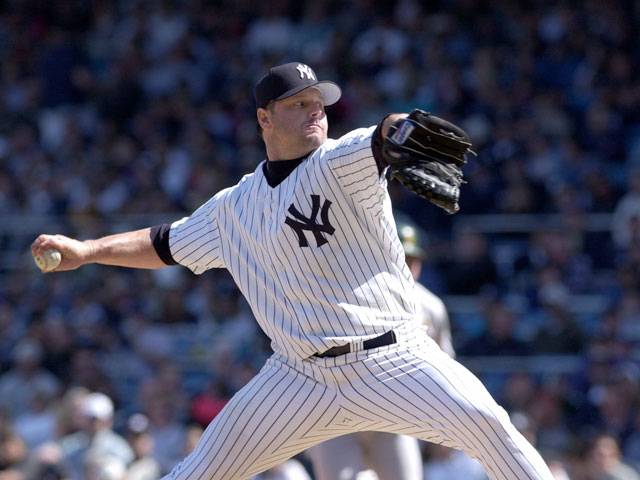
49	260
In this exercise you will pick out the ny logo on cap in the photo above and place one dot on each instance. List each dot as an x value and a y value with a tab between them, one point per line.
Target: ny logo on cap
305	70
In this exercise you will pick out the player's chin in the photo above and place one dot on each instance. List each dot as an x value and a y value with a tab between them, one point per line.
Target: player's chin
315	136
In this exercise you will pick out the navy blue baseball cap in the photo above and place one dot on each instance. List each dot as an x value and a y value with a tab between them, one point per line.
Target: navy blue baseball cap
286	80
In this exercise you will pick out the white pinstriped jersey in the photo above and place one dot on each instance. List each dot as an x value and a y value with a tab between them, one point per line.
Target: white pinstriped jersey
320	263
307	297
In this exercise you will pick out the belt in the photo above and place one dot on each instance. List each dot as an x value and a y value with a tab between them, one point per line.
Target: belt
388	338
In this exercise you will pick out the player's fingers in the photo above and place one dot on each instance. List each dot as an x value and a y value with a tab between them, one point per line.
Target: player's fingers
38	245
45	242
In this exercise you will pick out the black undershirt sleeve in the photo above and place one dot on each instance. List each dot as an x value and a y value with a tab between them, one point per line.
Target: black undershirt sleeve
160	239
376	147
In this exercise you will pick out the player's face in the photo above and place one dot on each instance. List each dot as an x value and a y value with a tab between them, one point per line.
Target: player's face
298	124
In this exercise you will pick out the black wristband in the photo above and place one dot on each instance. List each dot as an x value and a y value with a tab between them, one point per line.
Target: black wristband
376	147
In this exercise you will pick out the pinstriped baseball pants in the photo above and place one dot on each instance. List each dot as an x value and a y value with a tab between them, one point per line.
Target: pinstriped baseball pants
410	388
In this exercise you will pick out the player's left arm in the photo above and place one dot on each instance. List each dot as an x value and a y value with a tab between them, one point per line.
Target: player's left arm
378	138
358	164
389	120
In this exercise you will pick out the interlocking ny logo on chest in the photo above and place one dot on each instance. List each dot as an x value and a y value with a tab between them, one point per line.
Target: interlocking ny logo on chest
302	224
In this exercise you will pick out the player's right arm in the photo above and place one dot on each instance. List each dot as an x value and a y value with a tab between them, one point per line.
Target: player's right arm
130	249
193	242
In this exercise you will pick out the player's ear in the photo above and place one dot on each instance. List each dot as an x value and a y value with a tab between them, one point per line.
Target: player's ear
264	118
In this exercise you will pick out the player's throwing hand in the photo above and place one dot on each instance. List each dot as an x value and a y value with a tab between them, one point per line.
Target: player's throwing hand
73	252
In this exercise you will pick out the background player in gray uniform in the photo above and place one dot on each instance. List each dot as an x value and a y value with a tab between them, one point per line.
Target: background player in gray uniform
433	310
391	457
310	239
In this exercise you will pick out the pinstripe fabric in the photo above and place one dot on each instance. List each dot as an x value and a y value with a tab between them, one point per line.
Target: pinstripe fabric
390	456
320	263
308	299
410	388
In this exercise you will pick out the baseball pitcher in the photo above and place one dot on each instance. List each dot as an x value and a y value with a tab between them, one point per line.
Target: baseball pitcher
310	239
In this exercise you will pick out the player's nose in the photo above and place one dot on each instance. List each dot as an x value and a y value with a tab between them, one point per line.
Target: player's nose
316	109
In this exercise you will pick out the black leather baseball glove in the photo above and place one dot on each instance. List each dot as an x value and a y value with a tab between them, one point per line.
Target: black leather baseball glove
425	154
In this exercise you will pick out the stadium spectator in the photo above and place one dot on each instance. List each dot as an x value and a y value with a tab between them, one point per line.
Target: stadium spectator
558	331
96	443
13	450
26	379
144	466
605	460
498	337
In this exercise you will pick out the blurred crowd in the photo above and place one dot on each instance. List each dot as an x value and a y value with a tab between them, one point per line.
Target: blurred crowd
114	110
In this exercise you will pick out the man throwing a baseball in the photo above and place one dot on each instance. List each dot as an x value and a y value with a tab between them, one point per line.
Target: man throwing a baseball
310	239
